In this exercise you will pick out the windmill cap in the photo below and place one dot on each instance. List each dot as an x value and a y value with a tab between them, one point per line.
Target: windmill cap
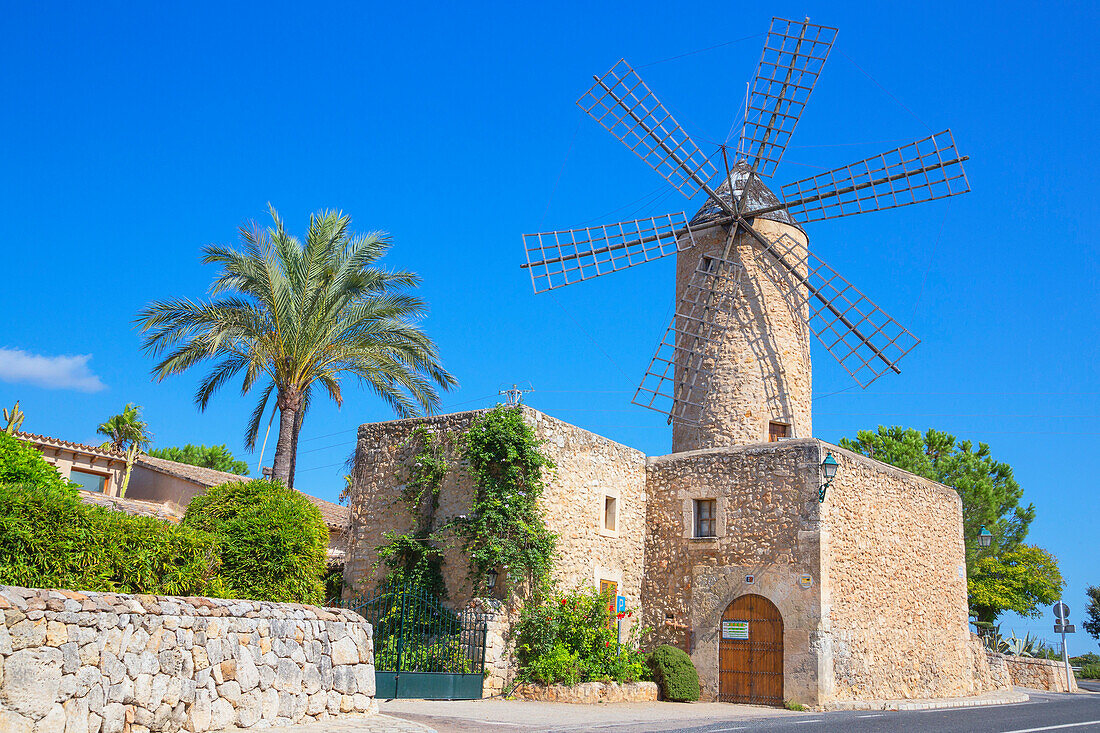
760	196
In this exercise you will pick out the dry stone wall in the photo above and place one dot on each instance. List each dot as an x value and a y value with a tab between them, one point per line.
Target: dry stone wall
895	583
1038	674
112	663
588	469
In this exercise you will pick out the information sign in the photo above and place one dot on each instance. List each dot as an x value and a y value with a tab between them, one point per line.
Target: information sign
620	604
735	630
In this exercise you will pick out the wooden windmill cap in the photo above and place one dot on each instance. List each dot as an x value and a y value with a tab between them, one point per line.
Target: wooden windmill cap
760	196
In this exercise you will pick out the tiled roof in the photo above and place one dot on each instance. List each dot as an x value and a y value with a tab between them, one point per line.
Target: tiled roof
45	440
335	516
136	507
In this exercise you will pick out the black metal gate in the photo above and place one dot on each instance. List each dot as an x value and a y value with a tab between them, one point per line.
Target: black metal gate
421	648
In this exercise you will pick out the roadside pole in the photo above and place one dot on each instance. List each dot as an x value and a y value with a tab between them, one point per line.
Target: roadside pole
1062	625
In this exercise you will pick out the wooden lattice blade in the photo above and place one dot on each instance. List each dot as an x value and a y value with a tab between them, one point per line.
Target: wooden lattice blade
925	170
622	103
677	380
794	53
555	259
853	329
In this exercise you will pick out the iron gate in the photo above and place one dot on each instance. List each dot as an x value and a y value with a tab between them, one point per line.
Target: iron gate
421	648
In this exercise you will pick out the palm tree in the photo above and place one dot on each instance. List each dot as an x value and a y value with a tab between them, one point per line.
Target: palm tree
126	429
295	317
127	433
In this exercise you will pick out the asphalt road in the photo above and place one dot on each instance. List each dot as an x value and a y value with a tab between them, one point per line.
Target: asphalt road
1043	712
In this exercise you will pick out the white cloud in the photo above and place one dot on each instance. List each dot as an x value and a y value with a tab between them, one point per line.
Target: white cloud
51	372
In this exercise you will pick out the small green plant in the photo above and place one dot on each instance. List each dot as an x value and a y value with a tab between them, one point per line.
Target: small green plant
558	666
796	706
14	419
674	674
271	540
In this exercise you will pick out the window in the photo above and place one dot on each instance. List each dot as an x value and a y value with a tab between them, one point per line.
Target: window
610	513
778	430
94	482
705	512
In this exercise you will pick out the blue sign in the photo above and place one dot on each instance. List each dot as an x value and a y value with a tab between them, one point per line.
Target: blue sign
620	604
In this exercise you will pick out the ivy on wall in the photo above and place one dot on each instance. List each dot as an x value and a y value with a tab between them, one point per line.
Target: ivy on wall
415	558
505	530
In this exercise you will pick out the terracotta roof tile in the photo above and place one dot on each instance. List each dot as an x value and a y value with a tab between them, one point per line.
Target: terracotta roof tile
59	443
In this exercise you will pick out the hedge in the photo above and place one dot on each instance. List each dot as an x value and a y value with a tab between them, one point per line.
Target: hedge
674	674
271	540
49	538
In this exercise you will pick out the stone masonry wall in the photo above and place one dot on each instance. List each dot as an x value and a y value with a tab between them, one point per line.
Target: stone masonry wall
760	370
894	588
1038	674
767	527
589	467
112	663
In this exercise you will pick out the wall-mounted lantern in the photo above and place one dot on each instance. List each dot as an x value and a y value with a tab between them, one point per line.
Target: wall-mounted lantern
828	470
985	537
491	579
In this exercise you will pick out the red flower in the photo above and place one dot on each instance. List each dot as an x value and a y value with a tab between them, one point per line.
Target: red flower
630	613
563	601
607	643
620	616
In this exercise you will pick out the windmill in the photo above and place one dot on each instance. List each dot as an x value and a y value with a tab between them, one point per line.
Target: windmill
734	364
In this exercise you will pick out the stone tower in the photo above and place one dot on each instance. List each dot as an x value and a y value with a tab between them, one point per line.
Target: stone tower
760	368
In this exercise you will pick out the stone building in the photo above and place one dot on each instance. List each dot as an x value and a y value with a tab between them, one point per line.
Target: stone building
725	544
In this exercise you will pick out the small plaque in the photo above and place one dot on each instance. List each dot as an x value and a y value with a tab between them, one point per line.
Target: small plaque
735	630
750	579
805	580
1065	628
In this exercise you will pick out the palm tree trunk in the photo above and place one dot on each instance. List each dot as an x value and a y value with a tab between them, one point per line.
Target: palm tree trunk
283	463
299	416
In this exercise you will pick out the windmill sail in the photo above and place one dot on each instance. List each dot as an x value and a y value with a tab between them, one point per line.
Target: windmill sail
677	378
794	53
561	258
622	103
857	333
925	170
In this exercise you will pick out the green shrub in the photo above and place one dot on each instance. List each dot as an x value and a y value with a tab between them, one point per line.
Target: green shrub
674	674
271	540
21	463
49	538
573	638
1090	672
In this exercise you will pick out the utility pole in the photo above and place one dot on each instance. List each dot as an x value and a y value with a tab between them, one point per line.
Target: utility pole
514	395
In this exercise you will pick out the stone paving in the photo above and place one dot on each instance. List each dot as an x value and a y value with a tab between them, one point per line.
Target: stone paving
368	724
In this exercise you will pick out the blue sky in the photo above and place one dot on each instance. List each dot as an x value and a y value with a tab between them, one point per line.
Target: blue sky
132	137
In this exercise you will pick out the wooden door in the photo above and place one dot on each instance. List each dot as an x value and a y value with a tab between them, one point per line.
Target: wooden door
750	652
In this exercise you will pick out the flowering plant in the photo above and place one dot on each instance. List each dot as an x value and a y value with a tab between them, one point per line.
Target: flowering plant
575	638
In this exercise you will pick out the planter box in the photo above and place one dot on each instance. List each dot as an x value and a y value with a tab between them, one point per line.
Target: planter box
589	693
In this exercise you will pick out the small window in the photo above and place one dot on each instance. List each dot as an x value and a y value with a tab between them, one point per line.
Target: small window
93	482
704	518
778	431
610	513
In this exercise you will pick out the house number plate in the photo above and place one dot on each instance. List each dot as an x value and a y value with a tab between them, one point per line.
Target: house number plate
735	630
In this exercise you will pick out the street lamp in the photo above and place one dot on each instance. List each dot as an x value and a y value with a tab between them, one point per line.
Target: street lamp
985	537
828	470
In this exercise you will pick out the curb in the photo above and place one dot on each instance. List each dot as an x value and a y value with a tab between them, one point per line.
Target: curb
1008	698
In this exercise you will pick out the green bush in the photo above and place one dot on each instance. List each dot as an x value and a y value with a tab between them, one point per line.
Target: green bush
573	638
271	540
49	538
674	674
1090	672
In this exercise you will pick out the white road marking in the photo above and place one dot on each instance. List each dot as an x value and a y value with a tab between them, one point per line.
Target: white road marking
719	730
875	715
815	720
1056	727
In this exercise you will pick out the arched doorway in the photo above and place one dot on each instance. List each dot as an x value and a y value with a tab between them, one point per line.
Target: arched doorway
750	652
